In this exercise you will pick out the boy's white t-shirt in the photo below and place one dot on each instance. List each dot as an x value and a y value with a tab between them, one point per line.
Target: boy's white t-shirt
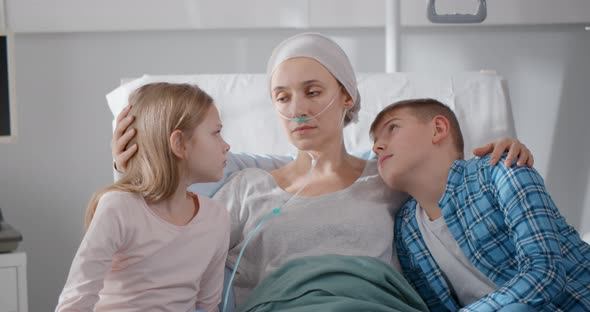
146	263
466	282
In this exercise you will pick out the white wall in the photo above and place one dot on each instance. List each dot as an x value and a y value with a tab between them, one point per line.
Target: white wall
62	152
35	16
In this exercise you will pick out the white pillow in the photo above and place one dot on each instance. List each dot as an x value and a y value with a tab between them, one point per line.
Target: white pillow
480	101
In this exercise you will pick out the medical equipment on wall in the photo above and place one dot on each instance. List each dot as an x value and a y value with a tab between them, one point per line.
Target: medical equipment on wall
393	27
478	17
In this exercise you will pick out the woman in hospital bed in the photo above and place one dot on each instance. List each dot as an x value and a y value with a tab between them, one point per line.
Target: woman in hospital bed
342	206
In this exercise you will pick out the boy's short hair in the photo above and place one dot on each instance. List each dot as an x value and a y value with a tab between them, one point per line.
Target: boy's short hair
425	110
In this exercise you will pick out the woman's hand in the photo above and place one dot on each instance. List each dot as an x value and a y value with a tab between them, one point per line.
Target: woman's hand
510	145
121	137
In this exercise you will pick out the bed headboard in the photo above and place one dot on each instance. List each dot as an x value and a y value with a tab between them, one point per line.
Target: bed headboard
480	100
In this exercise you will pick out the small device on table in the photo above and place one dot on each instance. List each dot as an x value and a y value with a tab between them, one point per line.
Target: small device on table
9	237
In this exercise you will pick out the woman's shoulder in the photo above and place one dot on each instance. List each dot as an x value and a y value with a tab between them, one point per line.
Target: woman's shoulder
249	177
371	168
245	181
370	173
251	173
372	183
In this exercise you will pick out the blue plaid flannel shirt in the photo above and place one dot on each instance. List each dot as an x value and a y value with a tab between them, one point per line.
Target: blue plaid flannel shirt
509	228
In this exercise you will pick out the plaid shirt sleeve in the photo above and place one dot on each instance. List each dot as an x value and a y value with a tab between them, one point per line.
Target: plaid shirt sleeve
530	215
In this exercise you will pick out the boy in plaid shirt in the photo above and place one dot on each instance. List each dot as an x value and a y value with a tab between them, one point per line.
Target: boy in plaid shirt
475	237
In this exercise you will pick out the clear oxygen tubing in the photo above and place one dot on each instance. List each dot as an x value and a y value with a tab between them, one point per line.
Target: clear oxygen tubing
275	211
303	119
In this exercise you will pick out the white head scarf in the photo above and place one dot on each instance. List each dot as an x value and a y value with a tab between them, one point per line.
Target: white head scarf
328	53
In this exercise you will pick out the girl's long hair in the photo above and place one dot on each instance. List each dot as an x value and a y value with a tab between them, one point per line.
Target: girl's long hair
159	109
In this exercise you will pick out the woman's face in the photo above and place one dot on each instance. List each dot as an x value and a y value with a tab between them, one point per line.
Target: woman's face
303	87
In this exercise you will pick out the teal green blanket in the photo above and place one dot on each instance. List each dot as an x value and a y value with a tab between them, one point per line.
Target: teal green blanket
334	283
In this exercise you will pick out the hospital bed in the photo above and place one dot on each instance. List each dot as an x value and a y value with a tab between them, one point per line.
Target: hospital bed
251	126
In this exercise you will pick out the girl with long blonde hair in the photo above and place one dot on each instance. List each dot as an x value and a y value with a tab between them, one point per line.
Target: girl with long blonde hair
149	243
